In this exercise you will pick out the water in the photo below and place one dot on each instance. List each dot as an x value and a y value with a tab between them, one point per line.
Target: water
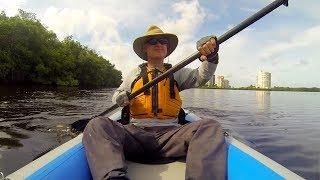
284	126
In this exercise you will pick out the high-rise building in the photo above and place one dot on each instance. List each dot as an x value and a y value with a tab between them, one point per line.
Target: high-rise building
225	84
222	83
263	80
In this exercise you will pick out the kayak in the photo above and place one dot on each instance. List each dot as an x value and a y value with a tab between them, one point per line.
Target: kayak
68	161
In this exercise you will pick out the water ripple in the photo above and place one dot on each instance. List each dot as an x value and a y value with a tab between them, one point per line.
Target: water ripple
284	126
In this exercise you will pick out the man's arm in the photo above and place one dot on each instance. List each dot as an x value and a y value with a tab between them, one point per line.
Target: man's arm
120	95
190	78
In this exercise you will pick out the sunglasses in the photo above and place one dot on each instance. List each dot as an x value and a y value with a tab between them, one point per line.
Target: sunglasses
154	41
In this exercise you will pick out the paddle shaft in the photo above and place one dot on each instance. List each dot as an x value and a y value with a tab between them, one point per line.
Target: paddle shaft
272	6
220	40
255	17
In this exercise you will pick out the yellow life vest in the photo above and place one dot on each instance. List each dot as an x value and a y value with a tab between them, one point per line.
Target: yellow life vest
162	101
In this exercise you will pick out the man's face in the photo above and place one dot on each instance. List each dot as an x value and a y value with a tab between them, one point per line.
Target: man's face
156	48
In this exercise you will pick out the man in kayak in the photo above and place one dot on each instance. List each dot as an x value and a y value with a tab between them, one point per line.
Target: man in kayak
154	131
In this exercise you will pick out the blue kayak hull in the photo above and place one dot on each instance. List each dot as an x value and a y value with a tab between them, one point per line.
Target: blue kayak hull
73	165
68	161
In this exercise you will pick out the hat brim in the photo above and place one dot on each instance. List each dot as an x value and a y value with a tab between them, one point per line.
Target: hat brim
140	41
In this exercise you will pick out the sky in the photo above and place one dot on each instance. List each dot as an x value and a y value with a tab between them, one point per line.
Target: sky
285	42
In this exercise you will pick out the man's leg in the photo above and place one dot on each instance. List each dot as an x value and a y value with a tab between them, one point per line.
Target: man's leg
104	141
204	145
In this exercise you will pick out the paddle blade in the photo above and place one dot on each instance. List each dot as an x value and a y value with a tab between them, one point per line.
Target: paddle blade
78	126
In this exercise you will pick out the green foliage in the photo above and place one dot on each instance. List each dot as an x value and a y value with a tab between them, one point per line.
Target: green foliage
313	89
30	53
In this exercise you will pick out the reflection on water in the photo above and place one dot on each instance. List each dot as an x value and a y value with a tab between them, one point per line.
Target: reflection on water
34	119
12	133
10	143
10	138
263	100
284	126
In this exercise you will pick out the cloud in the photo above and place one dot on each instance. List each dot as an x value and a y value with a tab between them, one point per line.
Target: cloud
11	6
310	38
274	63
252	50
105	25
237	58
309	8
302	63
187	20
82	23
100	28
189	17
280	47
250	10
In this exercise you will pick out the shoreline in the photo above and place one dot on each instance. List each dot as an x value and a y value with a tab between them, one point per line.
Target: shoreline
272	89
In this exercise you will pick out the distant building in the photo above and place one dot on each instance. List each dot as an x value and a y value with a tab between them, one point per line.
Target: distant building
263	80
211	81
225	84
222	83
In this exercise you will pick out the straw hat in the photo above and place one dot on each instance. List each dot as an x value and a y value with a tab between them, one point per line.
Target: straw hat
154	31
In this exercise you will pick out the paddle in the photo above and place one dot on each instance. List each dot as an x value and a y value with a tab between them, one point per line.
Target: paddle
81	124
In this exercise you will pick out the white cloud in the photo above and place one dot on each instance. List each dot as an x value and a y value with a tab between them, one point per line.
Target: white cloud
101	27
310	38
287	60
237	58
243	50
185	25
99	30
11	6
310	8
190	17
302	62
250	10
82	23
110	26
